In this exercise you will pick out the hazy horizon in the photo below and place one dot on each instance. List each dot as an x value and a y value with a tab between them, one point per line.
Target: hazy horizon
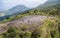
7	4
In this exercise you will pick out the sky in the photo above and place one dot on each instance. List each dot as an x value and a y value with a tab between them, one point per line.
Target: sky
7	4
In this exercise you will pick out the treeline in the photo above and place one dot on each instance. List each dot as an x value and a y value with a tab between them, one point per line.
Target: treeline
48	11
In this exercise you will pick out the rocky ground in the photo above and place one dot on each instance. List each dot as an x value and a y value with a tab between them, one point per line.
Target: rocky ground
27	20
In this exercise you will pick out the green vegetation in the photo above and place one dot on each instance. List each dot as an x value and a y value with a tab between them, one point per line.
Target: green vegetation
49	29
48	11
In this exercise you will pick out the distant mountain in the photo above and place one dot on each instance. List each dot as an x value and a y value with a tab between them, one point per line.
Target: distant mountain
13	11
52	2
49	3
16	9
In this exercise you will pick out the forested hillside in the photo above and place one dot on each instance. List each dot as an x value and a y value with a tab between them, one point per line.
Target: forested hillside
47	11
47	28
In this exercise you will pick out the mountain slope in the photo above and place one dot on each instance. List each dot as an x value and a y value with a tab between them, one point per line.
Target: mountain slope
36	20
35	23
53	10
13	11
16	9
49	3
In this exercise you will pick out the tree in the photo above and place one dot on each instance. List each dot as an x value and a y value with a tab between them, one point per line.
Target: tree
25	34
36	33
12	33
